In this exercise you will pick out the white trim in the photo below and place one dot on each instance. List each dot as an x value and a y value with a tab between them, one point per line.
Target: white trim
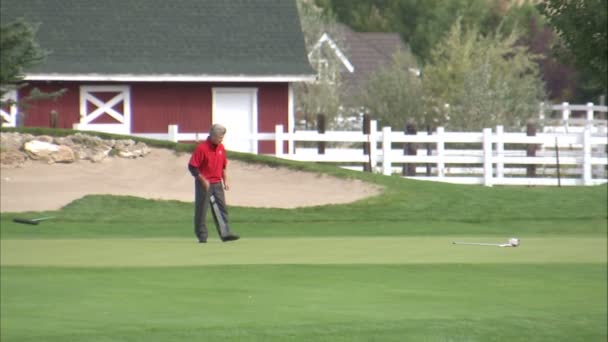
291	118
11	115
124	119
168	78
254	110
326	38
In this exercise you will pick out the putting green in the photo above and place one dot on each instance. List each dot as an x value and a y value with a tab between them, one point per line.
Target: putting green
151	252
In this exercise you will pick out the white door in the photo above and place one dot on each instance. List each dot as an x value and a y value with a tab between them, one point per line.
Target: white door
237	109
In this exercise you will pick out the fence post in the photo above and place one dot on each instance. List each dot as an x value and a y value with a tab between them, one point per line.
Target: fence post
173	131
373	146
440	153
487	156
409	149
321	130
366	145
587	175
541	112
500	152
531	149
429	152
589	112
387	168
278	140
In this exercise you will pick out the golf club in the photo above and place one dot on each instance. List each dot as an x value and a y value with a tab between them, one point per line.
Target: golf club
513	242
220	218
31	221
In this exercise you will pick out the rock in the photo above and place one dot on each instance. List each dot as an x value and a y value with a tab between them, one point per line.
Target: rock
45	138
67	141
51	153
68	149
63	155
40	150
12	158
130	149
13	141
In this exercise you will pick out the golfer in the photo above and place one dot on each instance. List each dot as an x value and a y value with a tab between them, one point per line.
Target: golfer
208	167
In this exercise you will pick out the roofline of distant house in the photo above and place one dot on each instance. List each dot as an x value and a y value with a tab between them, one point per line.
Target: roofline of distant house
169	78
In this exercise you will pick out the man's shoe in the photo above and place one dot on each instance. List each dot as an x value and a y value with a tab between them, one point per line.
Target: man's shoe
231	237
202	241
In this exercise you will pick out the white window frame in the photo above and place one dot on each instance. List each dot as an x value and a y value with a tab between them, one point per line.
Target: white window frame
86	96
11	116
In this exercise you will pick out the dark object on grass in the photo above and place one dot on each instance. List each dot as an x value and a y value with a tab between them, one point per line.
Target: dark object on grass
31	221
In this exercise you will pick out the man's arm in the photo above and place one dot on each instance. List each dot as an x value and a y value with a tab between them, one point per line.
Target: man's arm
225	178
196	174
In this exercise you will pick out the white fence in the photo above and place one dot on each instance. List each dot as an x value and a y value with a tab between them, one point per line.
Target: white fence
571	118
488	157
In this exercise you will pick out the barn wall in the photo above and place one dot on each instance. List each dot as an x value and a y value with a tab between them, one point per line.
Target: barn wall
157	105
272	110
38	113
154	106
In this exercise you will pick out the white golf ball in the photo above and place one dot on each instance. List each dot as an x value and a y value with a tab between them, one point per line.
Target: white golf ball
514	242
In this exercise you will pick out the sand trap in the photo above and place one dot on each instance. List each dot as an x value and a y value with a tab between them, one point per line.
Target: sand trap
164	175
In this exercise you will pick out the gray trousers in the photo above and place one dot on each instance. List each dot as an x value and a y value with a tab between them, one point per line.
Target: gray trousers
202	204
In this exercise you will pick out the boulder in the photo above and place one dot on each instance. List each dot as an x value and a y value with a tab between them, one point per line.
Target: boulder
13	141
64	155
130	149
12	158
45	138
50	153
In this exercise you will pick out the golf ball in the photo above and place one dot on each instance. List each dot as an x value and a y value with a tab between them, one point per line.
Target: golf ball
514	242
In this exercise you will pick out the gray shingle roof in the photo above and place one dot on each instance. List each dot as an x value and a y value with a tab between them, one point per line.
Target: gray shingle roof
183	37
368	52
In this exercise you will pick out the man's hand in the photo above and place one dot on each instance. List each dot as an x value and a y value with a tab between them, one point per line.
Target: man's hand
205	182
226	186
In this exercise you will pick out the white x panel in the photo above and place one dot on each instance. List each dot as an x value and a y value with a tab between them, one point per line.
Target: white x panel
9	119
87	116
104	108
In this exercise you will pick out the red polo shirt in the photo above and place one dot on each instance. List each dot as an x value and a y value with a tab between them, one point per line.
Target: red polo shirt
210	160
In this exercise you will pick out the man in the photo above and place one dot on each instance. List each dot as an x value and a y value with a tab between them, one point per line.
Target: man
208	167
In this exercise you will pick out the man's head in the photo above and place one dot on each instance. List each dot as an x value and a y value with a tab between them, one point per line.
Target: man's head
216	134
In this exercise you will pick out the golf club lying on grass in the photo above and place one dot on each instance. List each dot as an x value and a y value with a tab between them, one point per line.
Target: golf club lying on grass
513	242
31	221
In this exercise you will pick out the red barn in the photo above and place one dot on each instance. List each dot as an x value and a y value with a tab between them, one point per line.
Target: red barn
138	66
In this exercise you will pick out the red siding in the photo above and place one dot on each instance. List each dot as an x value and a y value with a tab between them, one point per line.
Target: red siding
157	105
38	113
272	110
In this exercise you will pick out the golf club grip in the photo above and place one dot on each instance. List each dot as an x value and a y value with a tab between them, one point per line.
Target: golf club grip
26	221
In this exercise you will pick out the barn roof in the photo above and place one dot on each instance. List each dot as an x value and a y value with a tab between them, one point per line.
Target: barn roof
187	40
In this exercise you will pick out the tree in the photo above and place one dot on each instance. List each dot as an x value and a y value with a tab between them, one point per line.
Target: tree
582	28
475	81
322	95
394	94
18	52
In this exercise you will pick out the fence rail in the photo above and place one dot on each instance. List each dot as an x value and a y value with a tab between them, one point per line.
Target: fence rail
487	157
584	152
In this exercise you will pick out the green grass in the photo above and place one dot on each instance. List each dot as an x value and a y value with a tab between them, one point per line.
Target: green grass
382	269
306	303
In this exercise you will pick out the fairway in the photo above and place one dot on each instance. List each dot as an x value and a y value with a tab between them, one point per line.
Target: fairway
303	289
312	251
